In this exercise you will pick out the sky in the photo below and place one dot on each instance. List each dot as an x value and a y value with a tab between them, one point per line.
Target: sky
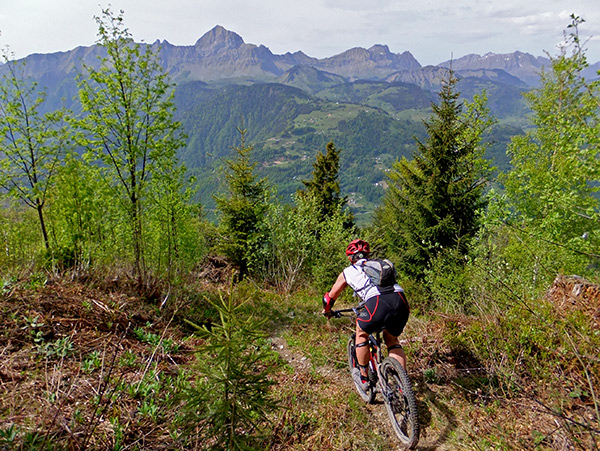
433	31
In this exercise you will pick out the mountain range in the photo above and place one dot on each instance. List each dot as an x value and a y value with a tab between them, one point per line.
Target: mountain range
223	56
370	102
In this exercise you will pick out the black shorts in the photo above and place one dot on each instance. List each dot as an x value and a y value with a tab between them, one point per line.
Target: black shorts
386	311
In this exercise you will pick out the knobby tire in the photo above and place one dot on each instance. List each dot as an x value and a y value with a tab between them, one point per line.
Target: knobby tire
400	401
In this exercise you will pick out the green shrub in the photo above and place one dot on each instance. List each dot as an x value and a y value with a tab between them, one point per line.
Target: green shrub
231	398
448	281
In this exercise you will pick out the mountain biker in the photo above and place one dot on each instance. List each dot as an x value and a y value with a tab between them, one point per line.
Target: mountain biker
384	309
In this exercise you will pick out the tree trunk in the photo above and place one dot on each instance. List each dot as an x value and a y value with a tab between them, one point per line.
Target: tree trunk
40	208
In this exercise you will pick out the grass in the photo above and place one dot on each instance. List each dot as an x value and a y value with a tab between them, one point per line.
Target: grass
330	117
69	378
467	398
92	367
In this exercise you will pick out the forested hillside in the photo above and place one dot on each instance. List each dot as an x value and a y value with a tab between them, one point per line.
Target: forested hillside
375	123
139	311
220	81
287	127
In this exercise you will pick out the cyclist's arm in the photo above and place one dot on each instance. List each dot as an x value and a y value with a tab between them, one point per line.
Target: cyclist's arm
338	286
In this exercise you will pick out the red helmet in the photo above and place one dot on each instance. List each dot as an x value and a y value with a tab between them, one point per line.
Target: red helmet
357	246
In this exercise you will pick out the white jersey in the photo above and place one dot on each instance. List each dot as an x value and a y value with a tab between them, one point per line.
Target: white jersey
358	280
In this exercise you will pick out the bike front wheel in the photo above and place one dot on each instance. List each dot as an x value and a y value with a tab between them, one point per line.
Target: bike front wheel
400	401
367	395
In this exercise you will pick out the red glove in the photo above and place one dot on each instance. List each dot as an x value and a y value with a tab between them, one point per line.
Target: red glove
327	304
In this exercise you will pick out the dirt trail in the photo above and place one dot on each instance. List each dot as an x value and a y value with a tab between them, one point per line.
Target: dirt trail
378	418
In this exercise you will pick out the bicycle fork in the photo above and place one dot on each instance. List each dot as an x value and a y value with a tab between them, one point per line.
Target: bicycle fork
376	378
391	395
374	375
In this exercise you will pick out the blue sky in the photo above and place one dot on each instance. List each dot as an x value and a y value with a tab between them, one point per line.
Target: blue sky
433	31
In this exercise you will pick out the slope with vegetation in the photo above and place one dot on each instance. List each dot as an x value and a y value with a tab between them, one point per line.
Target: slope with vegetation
374	122
130	321
222	79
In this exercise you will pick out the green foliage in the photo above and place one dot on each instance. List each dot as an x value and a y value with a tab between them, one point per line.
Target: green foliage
85	225
91	362
19	238
128	359
552	189
120	198
289	242
8	436
242	209
176	233
433	200
334	236
534	341
231	399
448	281
31	143
128	125
430	376
167	344
57	349
301	247
324	186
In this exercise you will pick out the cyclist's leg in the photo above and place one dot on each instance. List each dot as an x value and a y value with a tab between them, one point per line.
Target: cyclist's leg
363	353
394	349
394	325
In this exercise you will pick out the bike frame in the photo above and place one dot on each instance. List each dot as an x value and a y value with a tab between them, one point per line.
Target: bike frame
375	340
398	397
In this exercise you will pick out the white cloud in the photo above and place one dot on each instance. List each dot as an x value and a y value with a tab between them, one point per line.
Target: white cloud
432	29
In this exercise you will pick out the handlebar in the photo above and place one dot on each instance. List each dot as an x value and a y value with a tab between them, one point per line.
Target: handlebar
340	313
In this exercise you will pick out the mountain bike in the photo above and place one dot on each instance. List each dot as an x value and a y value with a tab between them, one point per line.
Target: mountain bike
389	378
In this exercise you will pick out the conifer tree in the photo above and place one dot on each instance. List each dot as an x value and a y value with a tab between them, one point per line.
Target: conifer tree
230	404
324	187
243	208
433	200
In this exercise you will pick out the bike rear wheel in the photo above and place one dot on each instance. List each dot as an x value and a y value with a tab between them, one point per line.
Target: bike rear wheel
400	401
367	395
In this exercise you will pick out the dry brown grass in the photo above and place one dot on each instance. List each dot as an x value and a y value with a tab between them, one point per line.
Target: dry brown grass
49	395
63	402
501	401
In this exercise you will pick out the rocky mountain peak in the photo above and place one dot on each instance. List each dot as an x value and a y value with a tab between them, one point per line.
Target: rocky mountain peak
221	55
379	49
522	65
219	39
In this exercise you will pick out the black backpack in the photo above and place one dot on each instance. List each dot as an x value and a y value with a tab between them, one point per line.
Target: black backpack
382	273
